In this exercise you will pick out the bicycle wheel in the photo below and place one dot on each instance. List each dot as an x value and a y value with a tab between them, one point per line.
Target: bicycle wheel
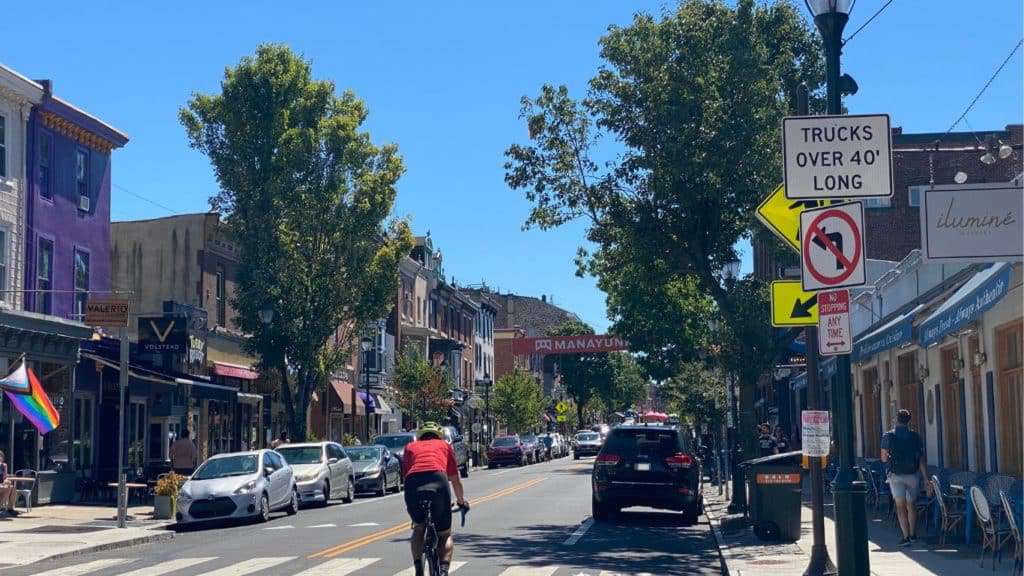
434	563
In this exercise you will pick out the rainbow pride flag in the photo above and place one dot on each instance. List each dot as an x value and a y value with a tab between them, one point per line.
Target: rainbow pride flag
35	405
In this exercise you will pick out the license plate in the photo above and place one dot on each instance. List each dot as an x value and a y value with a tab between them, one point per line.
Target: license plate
643	467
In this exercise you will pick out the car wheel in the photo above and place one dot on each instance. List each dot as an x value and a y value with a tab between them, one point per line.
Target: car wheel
600	511
327	491
575	456
293	506
383	484
264	511
464	472
691	514
350	494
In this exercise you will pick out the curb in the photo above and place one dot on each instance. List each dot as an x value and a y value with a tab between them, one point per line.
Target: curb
159	536
718	541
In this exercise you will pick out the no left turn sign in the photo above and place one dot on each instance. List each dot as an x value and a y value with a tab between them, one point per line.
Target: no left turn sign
832	242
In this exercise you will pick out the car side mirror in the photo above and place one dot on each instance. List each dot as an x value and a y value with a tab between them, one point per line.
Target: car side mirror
268	470
332	461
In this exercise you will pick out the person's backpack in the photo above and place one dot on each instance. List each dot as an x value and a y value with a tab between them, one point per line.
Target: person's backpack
904	453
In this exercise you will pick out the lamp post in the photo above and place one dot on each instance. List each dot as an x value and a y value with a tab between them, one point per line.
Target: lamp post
366	343
830	16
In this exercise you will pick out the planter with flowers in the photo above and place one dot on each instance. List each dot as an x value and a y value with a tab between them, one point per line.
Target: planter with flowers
165	496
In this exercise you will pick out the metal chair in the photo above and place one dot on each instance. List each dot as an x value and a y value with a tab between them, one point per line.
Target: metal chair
992	536
25	494
951	519
1011	520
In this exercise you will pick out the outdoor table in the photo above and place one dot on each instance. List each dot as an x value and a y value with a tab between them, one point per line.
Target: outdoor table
130	486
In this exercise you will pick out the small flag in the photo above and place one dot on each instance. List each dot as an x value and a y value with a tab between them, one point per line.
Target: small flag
17	381
34	405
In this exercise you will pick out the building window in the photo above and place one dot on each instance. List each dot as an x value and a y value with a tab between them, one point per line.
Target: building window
3	147
951	401
45	145
914	195
44	277
1009	398
221	296
879	202
82	172
3	264
81	282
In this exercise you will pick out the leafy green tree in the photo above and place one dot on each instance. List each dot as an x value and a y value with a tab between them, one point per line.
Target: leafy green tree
697	395
422	391
693	102
517	401
306	196
629	385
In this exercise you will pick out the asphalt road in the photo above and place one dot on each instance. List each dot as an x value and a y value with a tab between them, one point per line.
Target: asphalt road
532	521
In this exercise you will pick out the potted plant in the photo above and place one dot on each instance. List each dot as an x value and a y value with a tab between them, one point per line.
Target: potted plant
165	496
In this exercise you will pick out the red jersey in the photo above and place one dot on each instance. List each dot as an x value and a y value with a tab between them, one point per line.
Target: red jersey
429	456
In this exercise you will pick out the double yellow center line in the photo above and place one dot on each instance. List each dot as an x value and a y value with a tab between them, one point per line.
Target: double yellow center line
404	526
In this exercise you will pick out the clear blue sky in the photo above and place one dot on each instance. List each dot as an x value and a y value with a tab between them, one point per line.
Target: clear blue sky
443	80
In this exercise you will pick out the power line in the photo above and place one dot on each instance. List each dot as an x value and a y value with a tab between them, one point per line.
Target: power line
862	26
985	87
144	199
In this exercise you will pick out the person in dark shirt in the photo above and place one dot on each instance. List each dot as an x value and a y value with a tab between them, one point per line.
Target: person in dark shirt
781	440
765	443
903	451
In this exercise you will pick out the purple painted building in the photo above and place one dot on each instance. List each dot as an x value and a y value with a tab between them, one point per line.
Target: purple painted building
67	247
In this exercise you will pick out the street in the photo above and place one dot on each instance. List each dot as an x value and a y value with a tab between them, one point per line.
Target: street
531	521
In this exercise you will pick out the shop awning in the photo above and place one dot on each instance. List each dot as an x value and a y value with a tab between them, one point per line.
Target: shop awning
344	391
894	332
234	371
382	406
368	401
826	369
983	291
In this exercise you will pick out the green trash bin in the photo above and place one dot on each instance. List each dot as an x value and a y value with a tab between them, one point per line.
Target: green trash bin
773	496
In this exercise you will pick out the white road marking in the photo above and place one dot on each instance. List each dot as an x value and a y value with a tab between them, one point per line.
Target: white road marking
285	527
529	571
575	536
338	567
410	571
85	567
323	526
363	524
372	500
168	566
249	566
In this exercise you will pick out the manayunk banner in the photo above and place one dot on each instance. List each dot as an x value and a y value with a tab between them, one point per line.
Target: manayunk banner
585	344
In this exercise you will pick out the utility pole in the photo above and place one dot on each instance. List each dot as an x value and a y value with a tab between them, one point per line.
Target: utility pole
122	500
738	505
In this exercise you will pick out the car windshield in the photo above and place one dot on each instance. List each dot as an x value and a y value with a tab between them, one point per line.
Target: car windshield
363	453
302	454
528	438
588	436
506	441
396	442
654	443
226	466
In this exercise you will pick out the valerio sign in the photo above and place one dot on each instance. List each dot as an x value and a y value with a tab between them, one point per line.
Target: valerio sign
973	222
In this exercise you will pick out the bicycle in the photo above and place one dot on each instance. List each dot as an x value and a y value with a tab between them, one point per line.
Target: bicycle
431	559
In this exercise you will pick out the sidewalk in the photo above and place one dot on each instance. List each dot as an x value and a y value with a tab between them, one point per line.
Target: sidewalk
744	554
65	530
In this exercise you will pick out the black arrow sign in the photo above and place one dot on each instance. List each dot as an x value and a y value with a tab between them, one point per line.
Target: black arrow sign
803	309
836	239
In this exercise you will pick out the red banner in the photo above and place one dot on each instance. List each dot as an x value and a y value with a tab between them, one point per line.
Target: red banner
585	344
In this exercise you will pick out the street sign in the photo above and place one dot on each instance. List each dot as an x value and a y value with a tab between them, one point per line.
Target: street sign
834	334
782	216
791	306
561	418
107	312
833	247
972	222
814	439
561	407
837	156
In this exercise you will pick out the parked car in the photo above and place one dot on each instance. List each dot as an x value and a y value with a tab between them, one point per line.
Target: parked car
602	429
452	436
563	445
506	450
586	443
376	469
647	466
238	485
323	472
396	442
532	448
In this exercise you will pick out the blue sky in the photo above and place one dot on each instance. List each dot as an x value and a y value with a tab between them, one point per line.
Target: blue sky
443	80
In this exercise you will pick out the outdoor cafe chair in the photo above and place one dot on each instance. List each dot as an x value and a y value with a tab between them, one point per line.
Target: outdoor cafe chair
950	519
1011	519
25	493
992	536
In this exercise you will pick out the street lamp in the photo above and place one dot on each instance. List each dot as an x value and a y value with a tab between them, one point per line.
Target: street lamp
830	16
366	343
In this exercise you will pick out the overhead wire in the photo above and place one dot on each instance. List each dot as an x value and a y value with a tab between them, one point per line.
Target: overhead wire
868	21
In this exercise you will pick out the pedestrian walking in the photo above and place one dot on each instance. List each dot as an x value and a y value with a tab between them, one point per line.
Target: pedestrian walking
903	451
765	442
282	439
781	440
183	454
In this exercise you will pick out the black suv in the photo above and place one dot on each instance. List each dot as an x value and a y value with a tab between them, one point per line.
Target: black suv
452	436
651	466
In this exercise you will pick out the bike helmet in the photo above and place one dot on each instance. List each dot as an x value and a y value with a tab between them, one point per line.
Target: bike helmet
428	429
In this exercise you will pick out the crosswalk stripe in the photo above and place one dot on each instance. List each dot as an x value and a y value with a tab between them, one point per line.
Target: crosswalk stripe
410	571
85	567
529	571
169	566
338	567
249	566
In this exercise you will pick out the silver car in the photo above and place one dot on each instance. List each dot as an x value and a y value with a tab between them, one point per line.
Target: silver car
323	471
238	485
377	469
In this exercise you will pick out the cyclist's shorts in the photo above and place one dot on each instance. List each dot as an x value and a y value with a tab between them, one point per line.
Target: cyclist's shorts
431	486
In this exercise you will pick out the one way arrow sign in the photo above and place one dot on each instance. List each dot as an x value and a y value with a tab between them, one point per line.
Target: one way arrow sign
791	306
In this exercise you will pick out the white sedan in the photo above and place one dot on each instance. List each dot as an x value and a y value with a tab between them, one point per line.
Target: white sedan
238	485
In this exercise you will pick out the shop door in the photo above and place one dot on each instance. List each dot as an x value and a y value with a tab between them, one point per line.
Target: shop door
977	406
910	392
951	405
1009	398
872	416
108	423
83	434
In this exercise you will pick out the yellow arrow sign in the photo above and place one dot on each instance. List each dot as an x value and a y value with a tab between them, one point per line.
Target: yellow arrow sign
791	306
782	215
561	407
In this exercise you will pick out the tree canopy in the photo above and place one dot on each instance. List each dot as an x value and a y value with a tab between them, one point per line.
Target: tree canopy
518	401
422	391
306	196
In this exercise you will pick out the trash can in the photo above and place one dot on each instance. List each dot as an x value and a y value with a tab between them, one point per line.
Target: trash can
773	496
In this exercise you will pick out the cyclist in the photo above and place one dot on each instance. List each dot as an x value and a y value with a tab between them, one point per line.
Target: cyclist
428	465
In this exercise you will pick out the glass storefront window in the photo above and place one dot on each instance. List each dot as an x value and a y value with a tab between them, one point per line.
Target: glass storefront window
82	437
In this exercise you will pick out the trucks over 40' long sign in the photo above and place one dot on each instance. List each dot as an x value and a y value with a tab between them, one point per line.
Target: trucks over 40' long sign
584	344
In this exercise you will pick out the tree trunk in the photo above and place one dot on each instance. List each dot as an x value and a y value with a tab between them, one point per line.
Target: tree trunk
286	397
748	418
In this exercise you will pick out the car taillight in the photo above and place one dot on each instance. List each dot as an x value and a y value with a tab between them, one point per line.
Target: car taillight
607	460
679	461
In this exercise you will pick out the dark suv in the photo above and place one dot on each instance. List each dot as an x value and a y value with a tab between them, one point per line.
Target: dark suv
452	436
647	466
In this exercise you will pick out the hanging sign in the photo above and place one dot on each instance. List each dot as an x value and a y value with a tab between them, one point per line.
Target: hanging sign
791	306
833	247
782	216
834	334
814	438
973	222
837	156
